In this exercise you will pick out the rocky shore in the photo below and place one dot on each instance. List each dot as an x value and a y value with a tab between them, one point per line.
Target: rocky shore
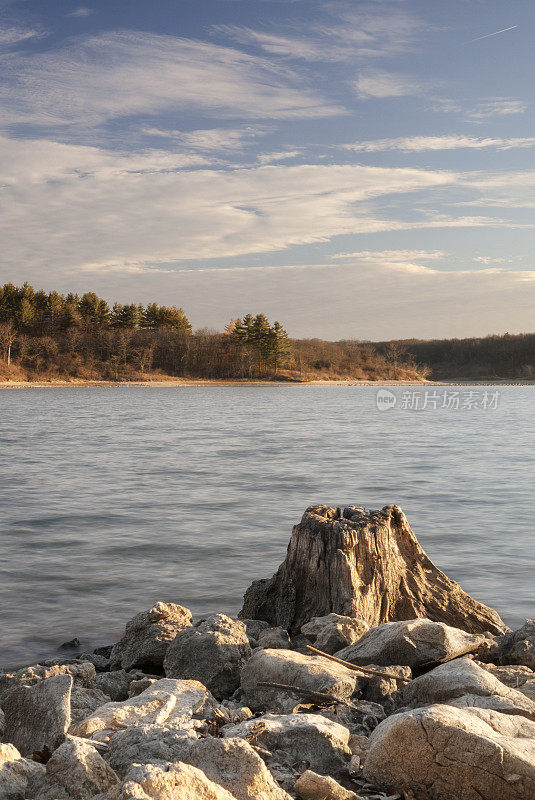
359	671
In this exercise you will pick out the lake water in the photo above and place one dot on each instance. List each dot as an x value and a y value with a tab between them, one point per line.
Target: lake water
114	498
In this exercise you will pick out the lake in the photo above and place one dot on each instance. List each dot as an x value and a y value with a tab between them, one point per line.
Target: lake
114	498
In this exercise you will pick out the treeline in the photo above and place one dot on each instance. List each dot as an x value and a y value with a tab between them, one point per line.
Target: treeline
52	336
490	357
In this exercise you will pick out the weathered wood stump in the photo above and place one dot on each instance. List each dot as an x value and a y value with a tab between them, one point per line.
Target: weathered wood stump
362	564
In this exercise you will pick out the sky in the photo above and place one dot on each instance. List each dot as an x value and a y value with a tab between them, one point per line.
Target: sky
353	169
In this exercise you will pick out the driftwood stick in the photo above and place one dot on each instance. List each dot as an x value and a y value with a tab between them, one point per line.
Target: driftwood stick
428	665
320	698
355	668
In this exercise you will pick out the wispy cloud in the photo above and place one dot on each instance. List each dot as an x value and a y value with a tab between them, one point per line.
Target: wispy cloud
80	206
15	34
417	144
482	110
282	155
209	139
400	256
83	11
375	83
345	34
123	74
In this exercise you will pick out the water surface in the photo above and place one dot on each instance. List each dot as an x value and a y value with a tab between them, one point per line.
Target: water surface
114	498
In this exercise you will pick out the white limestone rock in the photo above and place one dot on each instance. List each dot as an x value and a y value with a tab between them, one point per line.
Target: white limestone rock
38	717
410	643
448	753
212	652
295	669
293	738
16	772
147	637
464	678
333	632
166	701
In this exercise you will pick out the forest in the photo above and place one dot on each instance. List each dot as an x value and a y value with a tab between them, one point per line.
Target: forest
53	336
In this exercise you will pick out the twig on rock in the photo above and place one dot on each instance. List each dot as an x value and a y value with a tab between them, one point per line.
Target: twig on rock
356	668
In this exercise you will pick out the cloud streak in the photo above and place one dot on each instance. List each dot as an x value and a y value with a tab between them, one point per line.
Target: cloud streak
418	144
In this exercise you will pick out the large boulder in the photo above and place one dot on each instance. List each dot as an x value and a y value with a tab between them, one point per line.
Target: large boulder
334	632
233	764
212	652
467	684
76	771
38	717
518	647
454	754
293	738
147	637
148	744
287	667
16	772
166	700
412	643
168	782
83	675
361	564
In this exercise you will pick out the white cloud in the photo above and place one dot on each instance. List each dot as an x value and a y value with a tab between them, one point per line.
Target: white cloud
83	11
78	206
121	74
375	83
282	155
347	34
484	109
15	34
399	256
425	143
209	139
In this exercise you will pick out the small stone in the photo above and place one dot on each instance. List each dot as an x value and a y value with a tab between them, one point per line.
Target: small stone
254	628
16	772
274	638
311	786
76	770
169	782
38	717
334	631
85	701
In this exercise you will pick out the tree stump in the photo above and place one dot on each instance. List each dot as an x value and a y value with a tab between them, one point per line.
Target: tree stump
366	564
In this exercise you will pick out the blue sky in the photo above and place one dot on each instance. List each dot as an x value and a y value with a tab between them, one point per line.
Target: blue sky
354	169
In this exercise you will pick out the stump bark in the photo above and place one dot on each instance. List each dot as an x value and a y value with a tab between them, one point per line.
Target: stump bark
362	564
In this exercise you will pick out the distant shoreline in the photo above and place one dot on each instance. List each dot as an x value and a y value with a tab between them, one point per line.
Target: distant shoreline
196	383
